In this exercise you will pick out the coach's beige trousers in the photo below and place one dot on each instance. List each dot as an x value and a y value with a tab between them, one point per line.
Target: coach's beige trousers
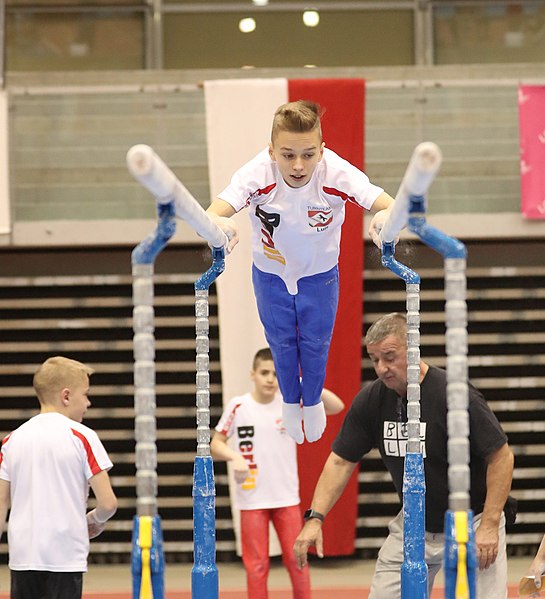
386	584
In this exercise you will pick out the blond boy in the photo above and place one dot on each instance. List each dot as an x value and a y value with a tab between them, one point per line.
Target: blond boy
46	468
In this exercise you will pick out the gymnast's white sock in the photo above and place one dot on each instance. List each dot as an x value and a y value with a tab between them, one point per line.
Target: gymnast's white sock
315	421
292	417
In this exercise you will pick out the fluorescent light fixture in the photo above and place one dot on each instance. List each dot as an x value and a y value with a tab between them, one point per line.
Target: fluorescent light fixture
311	18
247	25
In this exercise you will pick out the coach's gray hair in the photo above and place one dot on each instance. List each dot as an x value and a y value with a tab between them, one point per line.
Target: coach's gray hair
394	323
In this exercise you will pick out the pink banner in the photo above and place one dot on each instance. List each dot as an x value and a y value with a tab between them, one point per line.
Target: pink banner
532	150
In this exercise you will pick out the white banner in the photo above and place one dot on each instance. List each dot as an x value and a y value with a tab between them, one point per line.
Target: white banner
239	115
5	219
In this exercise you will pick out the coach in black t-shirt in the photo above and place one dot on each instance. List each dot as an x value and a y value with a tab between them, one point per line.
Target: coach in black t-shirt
376	419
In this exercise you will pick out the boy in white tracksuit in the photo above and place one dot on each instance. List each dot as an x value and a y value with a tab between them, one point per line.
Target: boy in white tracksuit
267	487
46	468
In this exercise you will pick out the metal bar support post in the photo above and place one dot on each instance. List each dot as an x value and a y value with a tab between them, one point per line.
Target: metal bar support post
204	575
460	551
147	559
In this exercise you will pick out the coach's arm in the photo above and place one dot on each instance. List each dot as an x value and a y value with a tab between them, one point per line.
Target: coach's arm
336	473
499	475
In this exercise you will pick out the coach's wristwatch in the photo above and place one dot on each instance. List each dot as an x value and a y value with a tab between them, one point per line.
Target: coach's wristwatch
310	513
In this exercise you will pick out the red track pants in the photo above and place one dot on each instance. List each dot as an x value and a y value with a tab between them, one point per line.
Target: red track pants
254	525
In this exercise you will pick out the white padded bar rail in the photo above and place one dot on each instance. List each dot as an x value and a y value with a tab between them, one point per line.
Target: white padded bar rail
421	170
149	170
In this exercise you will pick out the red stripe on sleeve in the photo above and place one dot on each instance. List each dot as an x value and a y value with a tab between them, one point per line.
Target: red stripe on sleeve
260	192
5	440
341	194
91	460
229	421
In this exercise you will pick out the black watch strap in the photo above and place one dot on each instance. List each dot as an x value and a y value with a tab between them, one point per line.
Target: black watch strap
310	513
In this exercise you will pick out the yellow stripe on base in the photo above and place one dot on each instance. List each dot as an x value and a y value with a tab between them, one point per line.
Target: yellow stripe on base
462	537
145	538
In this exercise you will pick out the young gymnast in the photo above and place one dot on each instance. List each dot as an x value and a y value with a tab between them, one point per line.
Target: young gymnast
296	191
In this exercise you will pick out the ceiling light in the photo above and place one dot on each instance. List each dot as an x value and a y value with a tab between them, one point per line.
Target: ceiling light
311	18
247	25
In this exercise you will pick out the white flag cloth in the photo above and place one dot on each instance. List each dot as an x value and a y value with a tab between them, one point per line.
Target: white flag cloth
239	115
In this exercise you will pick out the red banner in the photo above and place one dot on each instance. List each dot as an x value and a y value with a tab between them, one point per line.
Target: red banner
532	150
343	130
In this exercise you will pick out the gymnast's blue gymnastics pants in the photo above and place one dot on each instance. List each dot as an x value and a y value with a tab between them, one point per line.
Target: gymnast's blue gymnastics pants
298	329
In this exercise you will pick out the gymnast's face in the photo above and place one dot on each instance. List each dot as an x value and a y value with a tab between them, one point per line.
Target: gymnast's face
296	155
265	383
389	358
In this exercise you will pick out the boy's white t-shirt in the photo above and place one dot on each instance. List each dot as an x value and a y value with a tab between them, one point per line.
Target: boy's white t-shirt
256	431
296	232
48	461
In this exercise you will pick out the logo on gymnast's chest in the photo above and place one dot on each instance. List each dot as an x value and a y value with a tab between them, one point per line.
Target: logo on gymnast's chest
269	223
320	218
